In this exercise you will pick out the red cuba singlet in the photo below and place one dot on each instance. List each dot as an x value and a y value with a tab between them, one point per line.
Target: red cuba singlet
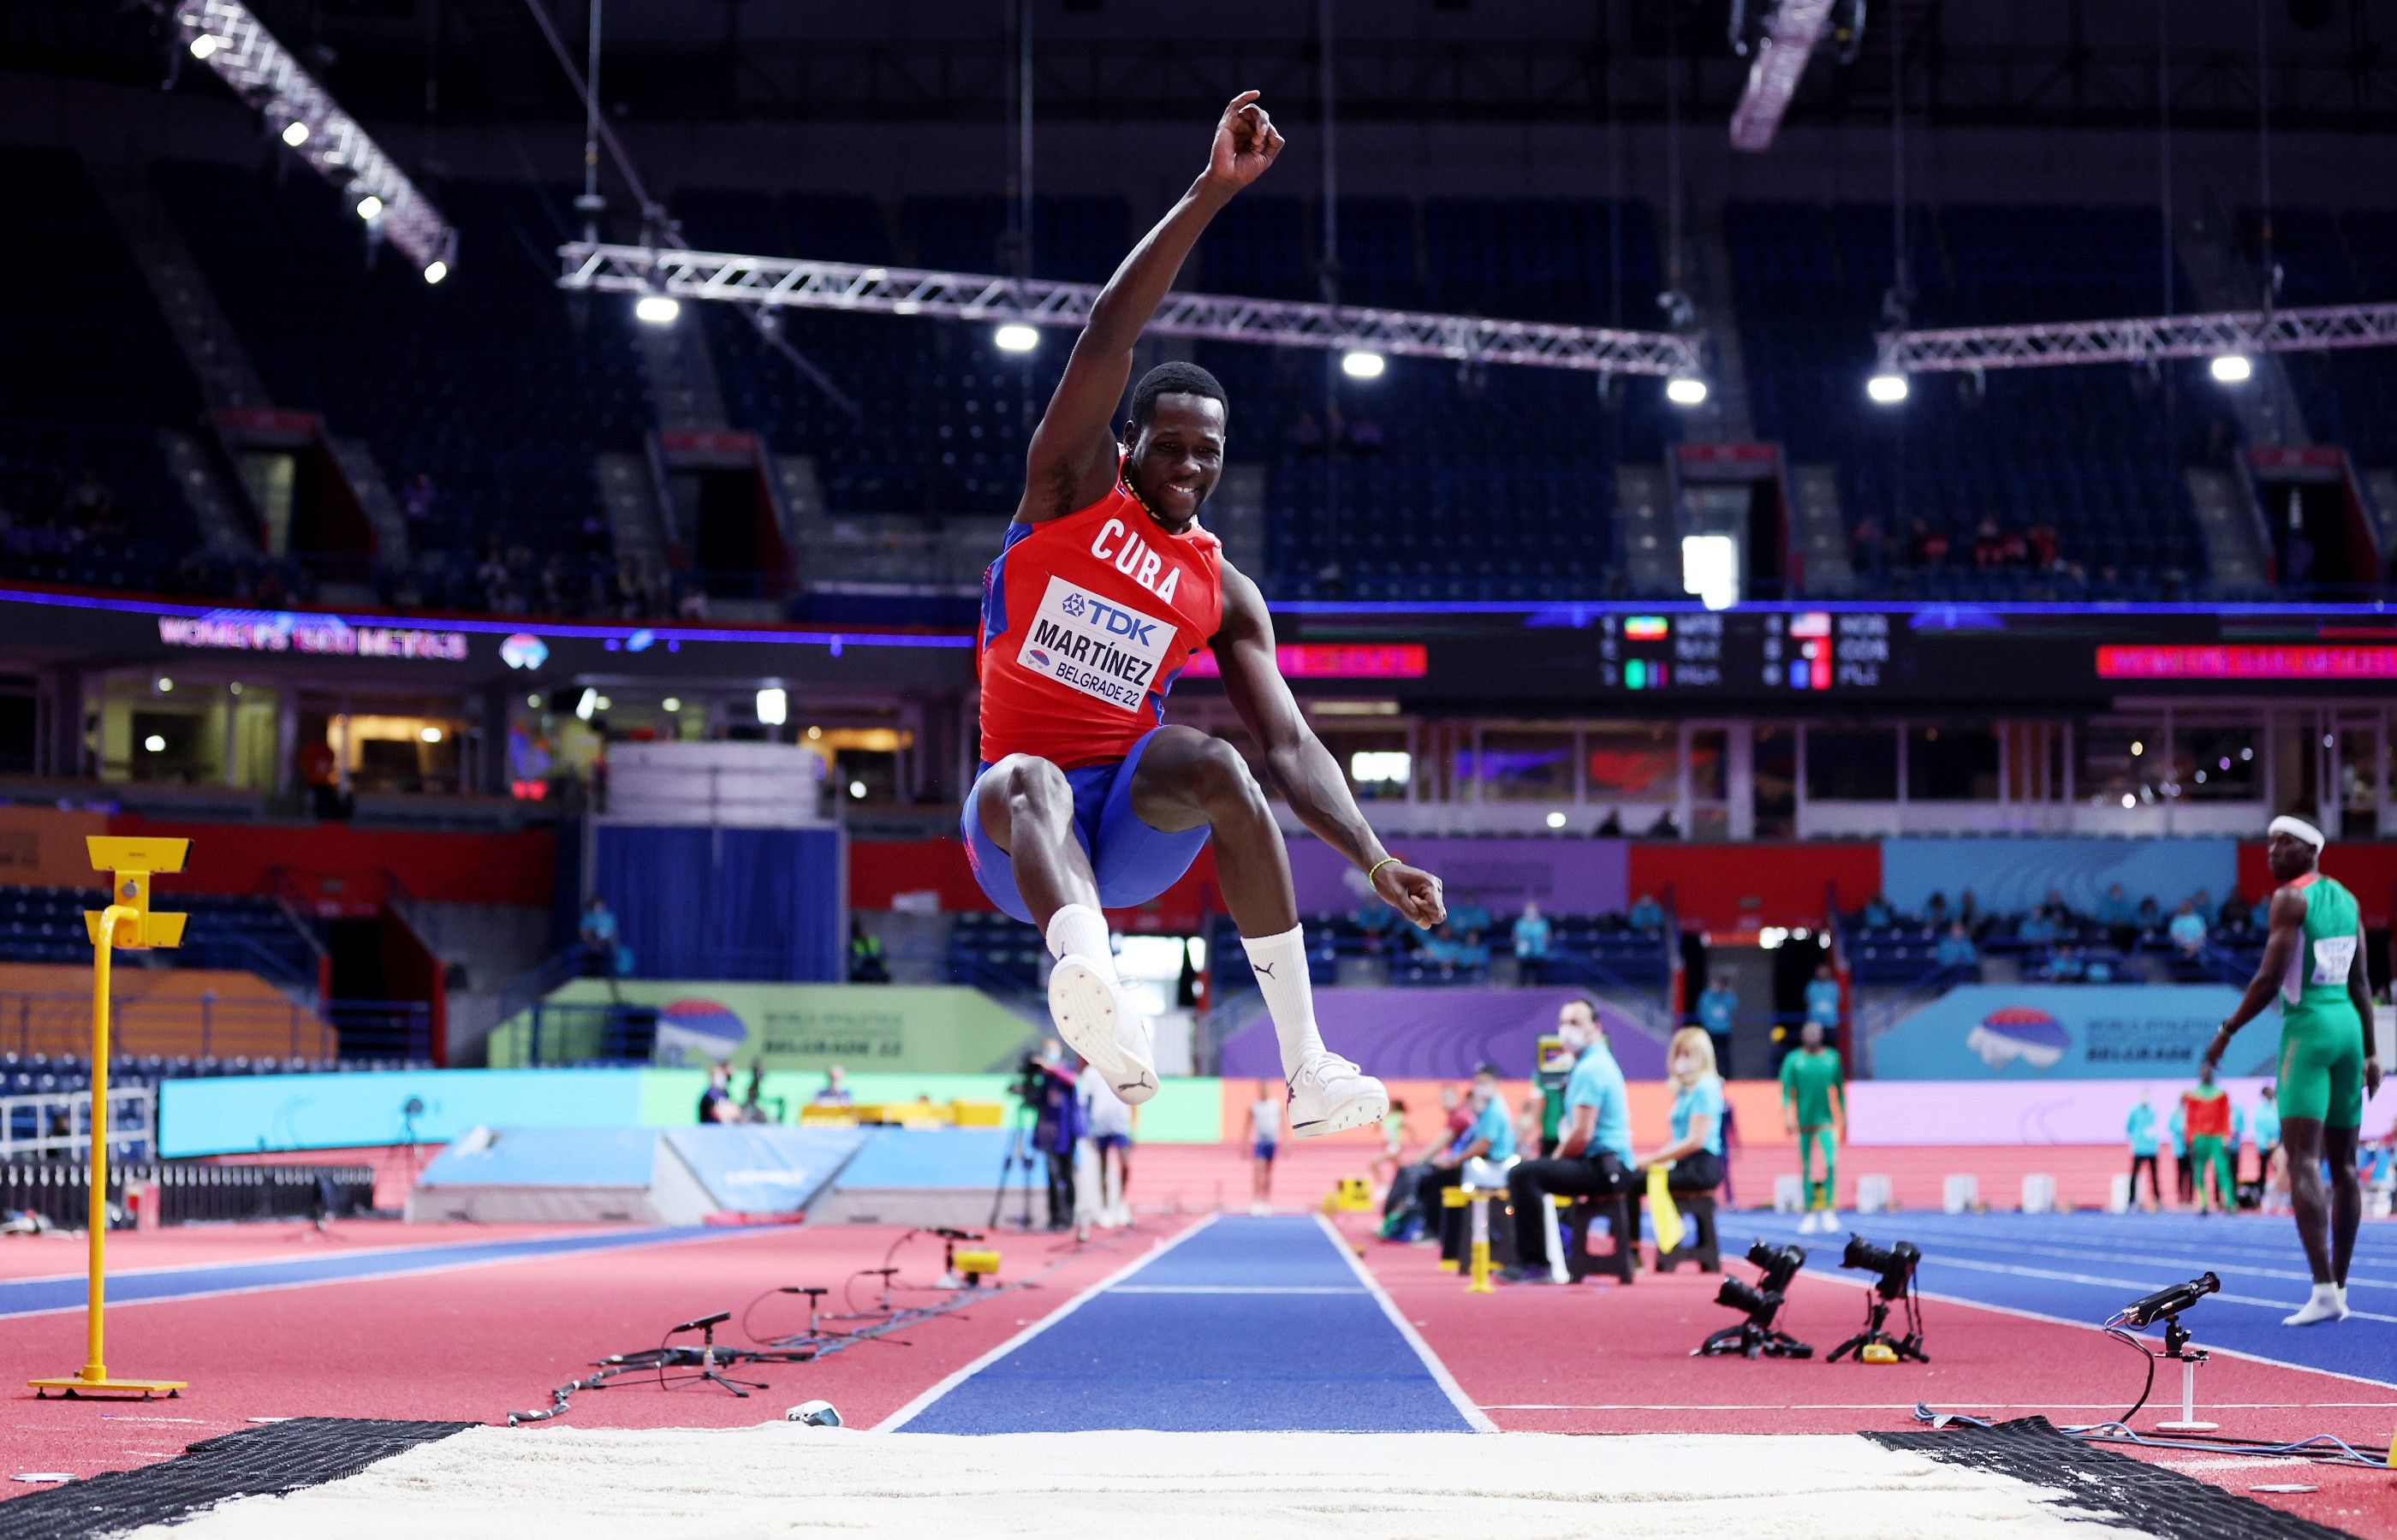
1086	622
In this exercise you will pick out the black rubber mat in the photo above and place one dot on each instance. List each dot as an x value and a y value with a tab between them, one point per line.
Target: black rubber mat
2109	1487
265	1460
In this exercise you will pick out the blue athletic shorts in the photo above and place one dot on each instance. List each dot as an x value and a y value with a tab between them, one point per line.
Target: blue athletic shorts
1106	1142
1134	863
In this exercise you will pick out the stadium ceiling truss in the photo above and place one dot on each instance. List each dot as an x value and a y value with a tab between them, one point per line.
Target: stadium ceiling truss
1781	57
776	282
228	39
2310	329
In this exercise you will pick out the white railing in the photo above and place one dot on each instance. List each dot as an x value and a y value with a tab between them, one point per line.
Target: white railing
56	1125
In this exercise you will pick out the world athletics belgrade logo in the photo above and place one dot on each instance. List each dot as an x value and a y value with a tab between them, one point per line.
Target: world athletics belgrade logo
695	1033
2022	1032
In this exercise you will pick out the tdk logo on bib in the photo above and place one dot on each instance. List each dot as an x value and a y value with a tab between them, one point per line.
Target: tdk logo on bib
1095	646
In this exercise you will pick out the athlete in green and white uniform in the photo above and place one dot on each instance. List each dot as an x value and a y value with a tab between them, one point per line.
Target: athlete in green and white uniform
2313	963
1811	1087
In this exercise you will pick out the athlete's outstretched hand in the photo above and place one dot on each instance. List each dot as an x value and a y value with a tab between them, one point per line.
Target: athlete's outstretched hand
2371	1076
1246	143
1413	892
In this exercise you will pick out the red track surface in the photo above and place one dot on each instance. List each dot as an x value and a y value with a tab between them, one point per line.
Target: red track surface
478	1343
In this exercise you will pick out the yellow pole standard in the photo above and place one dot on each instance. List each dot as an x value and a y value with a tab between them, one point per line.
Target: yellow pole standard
127	921
1481	1284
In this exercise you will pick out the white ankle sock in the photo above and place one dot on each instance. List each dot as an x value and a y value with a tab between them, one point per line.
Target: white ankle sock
1280	963
1079	931
2323	1304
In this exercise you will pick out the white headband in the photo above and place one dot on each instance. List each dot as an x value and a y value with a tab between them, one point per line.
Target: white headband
2298	828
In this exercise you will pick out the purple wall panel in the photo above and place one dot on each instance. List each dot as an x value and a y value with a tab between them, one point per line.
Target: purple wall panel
1436	1034
1568	876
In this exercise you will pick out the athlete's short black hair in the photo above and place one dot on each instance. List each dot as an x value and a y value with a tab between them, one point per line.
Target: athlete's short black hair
1174	379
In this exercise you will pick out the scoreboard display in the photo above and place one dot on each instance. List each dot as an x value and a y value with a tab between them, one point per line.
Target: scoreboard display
1676	657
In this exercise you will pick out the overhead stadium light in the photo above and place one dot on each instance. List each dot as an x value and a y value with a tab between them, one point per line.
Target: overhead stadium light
1887	388
436	270
774	705
1363	364
370	207
225	37
1781	56
658	310
2231	368
1015	337
1686	390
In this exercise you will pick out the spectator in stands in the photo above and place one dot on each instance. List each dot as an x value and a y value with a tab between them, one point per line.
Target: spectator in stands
2187	930
2097	969
1265	1143
1926	546
1718	1011
715	1104
2045	554
2065	965
1469	915
1956	948
2141	1128
2118	915
1693	1157
2151	920
834	1093
1877	915
1647	916
1934	912
1868	550
598	938
2035	928
1443	951
1989	546
1530	944
1968	913
1593	1157
418	506
866	963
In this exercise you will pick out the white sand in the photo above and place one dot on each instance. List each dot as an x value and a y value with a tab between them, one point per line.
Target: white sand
782	1479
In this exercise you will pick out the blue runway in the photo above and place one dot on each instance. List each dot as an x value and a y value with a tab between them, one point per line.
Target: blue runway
1248	1324
36	1297
2083	1267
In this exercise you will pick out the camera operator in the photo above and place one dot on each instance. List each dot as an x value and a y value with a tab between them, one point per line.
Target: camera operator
1593	1157
1046	1086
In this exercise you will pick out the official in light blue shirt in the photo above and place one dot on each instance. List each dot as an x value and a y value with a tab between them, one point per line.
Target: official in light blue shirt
1822	998
1704	1098
1593	1157
2267	1123
2141	1127
1493	1129
1719	1007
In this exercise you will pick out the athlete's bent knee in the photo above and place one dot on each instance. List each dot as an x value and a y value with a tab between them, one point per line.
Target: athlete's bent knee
1220	778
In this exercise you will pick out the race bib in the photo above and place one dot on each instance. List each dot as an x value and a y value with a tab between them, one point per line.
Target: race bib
2334	960
1094	644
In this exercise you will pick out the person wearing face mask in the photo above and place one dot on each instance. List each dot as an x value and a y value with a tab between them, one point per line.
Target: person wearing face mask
1593	1157
1695	1156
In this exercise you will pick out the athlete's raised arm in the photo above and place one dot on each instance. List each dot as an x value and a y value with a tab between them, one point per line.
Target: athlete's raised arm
1297	763
1072	461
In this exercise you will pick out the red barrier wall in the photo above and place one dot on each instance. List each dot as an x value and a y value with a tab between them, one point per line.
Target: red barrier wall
458	868
1730	887
2370	870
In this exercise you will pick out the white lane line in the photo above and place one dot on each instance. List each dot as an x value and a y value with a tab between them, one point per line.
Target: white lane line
900	1419
1228	1289
2056	1276
1474	1416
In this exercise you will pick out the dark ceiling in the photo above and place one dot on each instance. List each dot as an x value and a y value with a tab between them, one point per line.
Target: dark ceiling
2036	62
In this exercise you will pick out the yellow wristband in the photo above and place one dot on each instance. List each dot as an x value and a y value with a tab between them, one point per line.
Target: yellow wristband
1376	869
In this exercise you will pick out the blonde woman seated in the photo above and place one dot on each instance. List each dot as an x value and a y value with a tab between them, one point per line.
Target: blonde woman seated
1694	1157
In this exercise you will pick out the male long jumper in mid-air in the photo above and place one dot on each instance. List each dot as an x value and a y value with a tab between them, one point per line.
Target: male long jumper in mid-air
2313	961
1105	585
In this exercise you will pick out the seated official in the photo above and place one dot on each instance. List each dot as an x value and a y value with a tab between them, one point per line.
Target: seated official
1693	1160
1593	1157
1485	1149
